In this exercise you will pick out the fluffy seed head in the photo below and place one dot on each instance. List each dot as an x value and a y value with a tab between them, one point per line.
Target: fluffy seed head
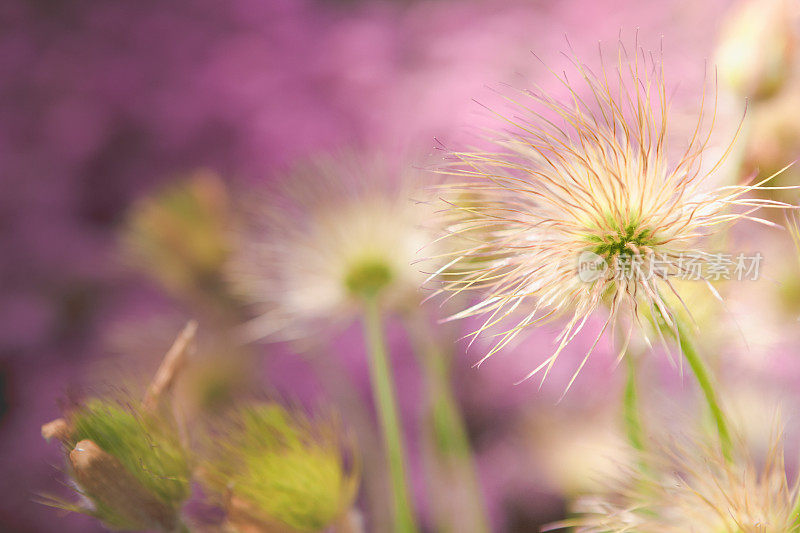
336	234
695	489
585	204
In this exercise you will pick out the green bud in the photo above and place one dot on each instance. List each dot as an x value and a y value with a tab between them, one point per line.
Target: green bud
273	466
178	236
127	462
147	446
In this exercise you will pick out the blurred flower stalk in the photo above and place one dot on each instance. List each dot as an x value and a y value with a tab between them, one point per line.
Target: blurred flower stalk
455	485
341	240
179	237
384	395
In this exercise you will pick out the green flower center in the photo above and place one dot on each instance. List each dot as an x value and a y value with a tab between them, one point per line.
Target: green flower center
368	277
623	242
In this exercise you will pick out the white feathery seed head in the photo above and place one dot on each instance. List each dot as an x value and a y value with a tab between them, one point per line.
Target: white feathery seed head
586	204
693	488
337	232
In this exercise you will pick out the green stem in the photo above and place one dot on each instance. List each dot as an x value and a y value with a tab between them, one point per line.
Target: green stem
384	396
448	431
630	405
704	380
796	511
634	429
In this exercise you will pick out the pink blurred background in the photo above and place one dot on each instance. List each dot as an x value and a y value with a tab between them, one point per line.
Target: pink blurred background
102	103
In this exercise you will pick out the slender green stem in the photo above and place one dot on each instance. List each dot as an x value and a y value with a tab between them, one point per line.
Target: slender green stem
384	396
448	431
796	511
634	429
706	385
630	405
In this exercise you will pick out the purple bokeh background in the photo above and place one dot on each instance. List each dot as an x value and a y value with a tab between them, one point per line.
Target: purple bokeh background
102	102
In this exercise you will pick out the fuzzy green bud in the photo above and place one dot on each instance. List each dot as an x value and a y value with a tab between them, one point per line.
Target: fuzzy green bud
128	462
179	235
274	466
